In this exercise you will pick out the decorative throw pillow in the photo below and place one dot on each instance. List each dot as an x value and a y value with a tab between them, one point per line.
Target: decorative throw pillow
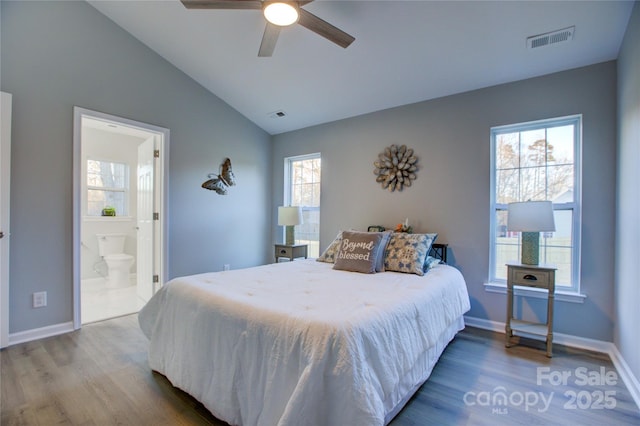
433	237
430	262
329	255
407	252
358	252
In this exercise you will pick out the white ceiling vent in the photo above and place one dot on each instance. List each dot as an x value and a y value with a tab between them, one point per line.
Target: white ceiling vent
553	37
277	114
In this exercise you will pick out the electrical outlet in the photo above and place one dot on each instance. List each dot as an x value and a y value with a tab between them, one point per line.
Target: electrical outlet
39	299
226	267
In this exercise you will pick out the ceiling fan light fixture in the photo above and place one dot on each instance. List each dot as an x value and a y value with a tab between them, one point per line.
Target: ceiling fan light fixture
281	14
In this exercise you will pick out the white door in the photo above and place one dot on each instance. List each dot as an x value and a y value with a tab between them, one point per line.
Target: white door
5	174
145	251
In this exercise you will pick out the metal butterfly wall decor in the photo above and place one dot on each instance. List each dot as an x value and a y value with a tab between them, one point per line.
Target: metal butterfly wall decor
221	182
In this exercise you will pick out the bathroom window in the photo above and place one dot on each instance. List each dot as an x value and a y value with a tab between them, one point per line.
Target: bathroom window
107	188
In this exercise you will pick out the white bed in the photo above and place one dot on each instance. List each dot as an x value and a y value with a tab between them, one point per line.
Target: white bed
299	343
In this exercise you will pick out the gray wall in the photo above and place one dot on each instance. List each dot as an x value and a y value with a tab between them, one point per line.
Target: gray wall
627	337
451	193
56	55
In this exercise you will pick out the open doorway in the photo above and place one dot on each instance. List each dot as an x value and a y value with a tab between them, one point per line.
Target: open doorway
119	214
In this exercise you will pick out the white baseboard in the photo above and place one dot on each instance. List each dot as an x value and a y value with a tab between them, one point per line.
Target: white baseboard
627	375
51	330
608	348
40	333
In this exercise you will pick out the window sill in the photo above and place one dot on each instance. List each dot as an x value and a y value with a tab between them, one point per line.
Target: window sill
563	296
107	218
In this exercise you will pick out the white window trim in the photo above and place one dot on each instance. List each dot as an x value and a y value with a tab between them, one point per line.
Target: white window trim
287	172
107	218
287	179
496	285
560	295
126	190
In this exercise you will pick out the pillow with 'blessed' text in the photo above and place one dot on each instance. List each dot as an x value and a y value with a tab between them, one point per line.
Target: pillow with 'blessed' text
358	252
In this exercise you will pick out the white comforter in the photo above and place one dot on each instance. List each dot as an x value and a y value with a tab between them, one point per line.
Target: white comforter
299	343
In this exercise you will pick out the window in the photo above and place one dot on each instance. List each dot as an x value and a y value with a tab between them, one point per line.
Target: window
107	186
302	188
538	161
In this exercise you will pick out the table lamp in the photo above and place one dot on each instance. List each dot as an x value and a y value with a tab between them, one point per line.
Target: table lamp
289	216
530	218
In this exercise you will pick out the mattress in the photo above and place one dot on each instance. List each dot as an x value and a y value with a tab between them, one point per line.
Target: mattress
299	343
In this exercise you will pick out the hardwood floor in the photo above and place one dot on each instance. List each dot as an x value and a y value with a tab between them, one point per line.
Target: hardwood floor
99	376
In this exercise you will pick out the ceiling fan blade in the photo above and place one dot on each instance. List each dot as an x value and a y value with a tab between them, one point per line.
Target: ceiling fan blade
222	4
325	29
269	39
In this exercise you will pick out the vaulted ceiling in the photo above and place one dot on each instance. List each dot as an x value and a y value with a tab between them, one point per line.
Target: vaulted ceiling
404	51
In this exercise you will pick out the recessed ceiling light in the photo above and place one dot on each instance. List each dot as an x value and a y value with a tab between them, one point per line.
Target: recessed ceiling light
277	114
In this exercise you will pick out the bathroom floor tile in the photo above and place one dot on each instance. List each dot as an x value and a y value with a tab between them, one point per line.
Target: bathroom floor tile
98	302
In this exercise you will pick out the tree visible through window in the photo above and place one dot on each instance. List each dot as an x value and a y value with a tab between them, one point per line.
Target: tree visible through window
532	162
107	186
302	184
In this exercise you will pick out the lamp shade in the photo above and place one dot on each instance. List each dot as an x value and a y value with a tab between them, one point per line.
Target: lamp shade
531	216
289	216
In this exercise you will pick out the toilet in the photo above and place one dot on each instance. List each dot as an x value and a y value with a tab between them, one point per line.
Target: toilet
111	249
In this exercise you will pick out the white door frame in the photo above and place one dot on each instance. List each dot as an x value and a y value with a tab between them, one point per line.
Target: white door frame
146	179
5	178
161	199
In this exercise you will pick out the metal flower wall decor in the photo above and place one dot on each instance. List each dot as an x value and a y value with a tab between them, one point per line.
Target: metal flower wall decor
396	167
221	182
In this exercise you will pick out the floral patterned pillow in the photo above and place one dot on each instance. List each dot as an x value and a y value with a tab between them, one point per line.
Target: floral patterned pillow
329	255
407	252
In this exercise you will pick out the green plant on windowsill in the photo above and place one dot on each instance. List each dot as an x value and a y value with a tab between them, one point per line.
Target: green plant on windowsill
109	211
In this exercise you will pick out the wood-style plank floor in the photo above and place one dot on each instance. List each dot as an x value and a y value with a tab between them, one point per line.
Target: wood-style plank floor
99	376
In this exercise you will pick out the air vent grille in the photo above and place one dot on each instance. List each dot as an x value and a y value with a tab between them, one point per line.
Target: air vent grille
553	37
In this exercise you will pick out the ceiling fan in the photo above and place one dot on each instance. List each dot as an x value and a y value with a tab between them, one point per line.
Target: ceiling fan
278	14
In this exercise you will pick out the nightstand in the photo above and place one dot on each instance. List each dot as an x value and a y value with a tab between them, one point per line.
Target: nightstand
535	276
290	251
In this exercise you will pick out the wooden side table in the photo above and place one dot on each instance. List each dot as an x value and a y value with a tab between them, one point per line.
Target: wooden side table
536	276
290	251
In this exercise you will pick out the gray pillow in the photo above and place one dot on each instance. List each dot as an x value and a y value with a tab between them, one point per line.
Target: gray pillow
359	252
386	236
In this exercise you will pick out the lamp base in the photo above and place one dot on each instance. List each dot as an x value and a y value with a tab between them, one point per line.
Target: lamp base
530	248
290	238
